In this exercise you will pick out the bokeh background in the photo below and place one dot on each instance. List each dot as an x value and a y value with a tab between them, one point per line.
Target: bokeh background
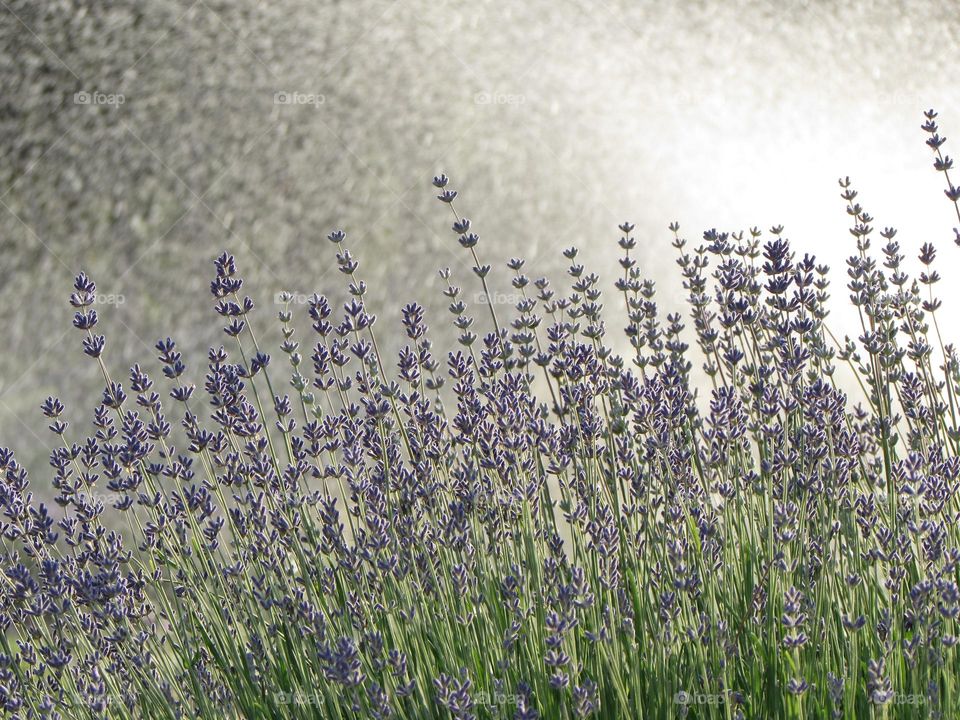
139	138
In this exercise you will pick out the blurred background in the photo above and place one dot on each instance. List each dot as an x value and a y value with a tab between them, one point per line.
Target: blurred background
138	139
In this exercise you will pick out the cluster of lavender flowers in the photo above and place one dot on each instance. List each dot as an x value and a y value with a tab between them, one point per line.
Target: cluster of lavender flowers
529	526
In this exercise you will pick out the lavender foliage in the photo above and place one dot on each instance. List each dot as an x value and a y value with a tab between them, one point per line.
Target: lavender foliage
529	525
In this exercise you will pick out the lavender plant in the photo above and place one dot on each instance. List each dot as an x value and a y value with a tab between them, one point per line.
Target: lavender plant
528	526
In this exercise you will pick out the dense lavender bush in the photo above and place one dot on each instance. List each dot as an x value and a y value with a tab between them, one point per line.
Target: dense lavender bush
529	526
